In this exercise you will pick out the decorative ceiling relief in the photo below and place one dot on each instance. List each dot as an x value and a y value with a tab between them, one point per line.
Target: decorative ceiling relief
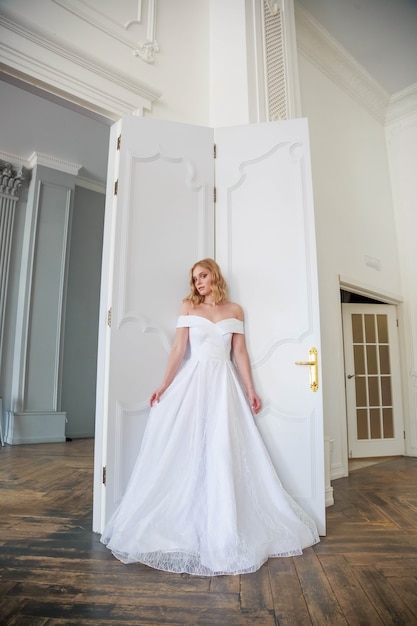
131	22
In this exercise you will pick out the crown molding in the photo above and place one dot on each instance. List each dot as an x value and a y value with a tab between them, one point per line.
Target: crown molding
54	163
37	158
31	56
91	185
403	104
14	159
321	49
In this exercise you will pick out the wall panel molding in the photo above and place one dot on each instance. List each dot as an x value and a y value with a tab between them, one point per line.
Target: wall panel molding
134	29
30	56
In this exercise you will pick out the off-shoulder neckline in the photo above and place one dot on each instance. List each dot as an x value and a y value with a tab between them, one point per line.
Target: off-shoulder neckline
235	319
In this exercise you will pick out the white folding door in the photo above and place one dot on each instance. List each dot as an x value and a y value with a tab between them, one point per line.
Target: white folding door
261	231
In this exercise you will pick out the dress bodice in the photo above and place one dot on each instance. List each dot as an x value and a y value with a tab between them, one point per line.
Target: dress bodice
210	340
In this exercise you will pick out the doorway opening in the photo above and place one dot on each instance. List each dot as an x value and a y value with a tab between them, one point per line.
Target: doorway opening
375	423
62	131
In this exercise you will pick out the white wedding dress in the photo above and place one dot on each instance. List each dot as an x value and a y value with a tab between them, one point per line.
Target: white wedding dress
204	497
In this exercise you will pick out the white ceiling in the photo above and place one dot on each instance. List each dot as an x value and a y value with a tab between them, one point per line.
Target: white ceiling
380	34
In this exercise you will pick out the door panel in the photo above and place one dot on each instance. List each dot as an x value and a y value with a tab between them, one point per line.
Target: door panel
163	223
265	241
373	384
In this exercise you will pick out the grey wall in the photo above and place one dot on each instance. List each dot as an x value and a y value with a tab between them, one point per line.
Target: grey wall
82	313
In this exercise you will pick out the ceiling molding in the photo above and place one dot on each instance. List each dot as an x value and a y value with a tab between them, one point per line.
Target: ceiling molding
25	53
321	49
37	158
91	185
402	105
54	163
14	159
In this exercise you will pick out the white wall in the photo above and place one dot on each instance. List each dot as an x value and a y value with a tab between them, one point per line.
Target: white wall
402	150
354	219
90	54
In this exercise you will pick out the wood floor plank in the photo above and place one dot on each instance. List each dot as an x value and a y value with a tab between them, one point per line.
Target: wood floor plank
224	584
406	588
387	602
289	603
121	613
353	600
255	590
322	603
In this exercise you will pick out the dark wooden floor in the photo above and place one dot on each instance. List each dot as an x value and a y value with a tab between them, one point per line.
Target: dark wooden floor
53	570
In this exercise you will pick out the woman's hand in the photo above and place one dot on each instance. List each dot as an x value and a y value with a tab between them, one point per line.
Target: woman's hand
255	402
156	396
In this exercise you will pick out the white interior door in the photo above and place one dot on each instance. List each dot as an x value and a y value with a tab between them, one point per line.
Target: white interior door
373	380
265	242
162	222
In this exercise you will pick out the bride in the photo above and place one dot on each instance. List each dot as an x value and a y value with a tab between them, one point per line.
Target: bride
204	497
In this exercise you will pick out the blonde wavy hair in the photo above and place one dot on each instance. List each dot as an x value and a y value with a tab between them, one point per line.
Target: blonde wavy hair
218	284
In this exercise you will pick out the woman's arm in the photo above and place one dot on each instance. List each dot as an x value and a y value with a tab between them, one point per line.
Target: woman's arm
241	357
175	357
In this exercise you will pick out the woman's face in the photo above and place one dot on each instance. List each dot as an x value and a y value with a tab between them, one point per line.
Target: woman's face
202	279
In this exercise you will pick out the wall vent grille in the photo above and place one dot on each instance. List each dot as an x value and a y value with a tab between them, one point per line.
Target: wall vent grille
276	87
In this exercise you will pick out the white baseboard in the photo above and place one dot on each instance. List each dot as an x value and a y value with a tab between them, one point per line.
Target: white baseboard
35	427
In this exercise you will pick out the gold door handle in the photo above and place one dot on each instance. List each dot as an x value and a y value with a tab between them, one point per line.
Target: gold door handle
313	363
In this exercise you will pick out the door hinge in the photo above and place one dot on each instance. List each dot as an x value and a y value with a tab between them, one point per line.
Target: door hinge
404	433
214	195
116	187
109	317
118	142
214	151
397	323
104	475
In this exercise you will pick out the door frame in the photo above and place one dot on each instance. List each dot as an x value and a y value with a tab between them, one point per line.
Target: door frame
385	297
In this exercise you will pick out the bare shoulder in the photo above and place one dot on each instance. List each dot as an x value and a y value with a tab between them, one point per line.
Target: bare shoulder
236	311
186	308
